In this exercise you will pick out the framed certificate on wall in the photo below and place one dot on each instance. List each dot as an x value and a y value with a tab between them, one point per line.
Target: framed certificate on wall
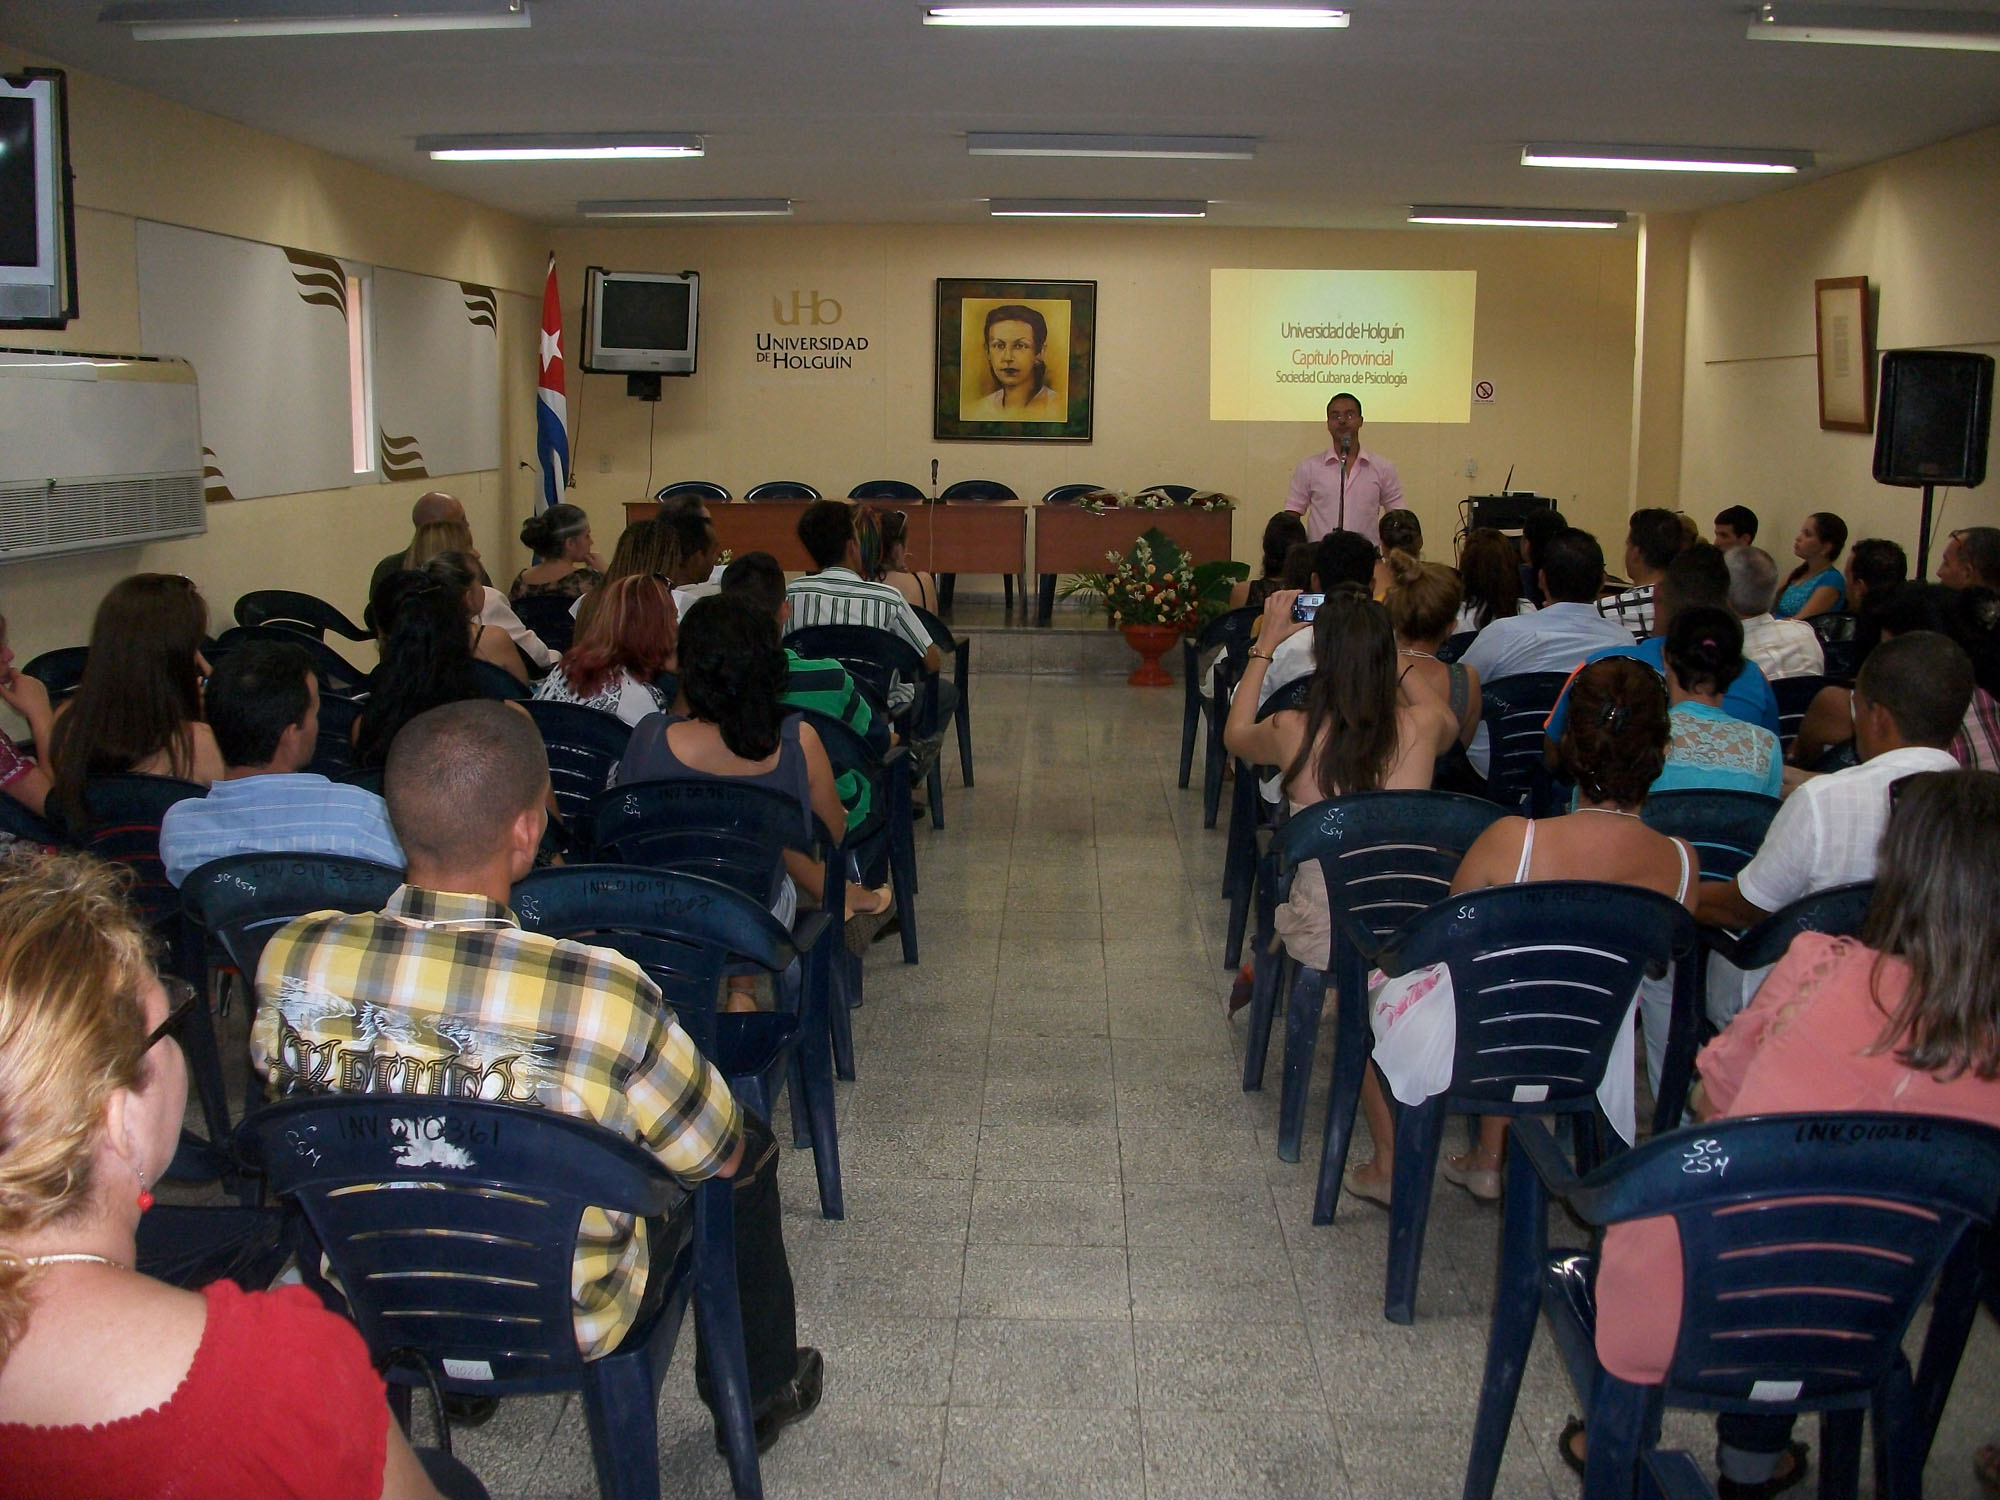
1015	360
1846	350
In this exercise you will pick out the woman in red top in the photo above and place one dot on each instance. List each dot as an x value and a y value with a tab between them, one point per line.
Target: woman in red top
150	1391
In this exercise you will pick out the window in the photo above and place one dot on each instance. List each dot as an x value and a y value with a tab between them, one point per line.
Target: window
360	374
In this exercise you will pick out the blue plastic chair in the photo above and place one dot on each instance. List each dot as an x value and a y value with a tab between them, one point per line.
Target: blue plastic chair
473	1274
875	659
1725	828
1839	644
1247	874
60	670
1542	977
1180	494
584	747
706	489
1386	856
1515	711
885	489
305	612
1795	696
1455	646
1808	1243
548	615
1231	634
333	750
958	651
734	835
336	673
17	822
781	489
498	682
979	491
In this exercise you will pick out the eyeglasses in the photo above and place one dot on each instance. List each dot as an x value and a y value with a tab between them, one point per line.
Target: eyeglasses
182	998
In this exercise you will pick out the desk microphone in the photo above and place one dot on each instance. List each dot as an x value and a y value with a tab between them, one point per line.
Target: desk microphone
934	468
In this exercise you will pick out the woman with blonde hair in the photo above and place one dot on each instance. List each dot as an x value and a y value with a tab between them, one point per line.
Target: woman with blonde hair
1423	602
624	641
147	1390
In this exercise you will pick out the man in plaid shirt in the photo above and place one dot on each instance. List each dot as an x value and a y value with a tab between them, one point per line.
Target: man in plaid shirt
442	992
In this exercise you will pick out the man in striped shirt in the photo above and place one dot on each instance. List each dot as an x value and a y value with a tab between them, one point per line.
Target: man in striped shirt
835	593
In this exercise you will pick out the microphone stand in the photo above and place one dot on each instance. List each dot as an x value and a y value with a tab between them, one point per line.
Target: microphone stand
1343	486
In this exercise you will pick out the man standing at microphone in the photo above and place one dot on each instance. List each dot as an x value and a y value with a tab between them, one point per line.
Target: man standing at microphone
1345	488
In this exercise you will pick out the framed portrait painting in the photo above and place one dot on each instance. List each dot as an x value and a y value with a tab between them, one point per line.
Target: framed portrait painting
1846	354
1015	360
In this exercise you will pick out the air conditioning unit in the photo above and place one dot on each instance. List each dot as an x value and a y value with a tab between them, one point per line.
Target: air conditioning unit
97	451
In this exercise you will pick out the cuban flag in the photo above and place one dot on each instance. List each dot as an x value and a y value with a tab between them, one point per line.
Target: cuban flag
551	407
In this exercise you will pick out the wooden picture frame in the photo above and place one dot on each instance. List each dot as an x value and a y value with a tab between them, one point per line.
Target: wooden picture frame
1843	340
1023	379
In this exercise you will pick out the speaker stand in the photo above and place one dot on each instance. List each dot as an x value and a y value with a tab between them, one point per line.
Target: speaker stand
1924	535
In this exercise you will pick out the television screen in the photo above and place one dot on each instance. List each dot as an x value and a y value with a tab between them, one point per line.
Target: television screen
37	222
644	315
17	182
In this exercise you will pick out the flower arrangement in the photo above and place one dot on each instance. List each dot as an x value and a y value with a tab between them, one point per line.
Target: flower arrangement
1153	584
1098	502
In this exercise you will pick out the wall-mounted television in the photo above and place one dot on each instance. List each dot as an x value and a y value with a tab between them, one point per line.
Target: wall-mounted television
37	219
640	322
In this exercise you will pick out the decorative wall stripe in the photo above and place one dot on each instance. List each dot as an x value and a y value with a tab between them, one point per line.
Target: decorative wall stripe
322	279
402	459
481	305
214	487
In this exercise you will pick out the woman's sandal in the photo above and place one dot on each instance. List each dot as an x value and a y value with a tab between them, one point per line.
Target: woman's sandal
1373	1189
1482	1182
863	902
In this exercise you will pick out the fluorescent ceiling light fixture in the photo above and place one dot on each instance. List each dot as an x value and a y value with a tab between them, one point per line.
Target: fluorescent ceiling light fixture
1097	208
1166	147
1243	17
1878	26
1664	158
625	146
1516	218
686	208
200	20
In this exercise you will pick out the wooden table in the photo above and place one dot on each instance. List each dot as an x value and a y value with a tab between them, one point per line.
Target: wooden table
961	538
1069	539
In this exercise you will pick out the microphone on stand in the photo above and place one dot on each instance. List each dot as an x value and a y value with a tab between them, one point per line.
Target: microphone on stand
1344	441
934	469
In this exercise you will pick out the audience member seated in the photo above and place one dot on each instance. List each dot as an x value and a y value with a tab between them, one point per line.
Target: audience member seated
490	643
695	549
263	705
1423	604
1735	526
25	778
1653	538
623	644
1284	531
1907	705
138	707
1536	530
566	564
1815	586
835	593
1971	559
820	684
1612	752
1365	728
1780	648
441	990
1709	746
1905	1020
1697	579
732	675
1405	534
426	660
439	525
1340	558
1873	567
920	589
149	1391
1489	571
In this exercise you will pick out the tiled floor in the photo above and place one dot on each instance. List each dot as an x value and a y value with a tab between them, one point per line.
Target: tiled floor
1072	1265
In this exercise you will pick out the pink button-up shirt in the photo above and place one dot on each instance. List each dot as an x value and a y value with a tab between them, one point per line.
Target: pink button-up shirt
1372	487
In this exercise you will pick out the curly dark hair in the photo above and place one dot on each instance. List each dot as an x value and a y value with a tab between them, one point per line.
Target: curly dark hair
426	658
733	672
1615	743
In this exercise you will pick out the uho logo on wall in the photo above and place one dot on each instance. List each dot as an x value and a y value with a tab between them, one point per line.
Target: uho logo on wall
808	308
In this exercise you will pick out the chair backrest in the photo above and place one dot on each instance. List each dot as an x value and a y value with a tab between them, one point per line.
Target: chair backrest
1291	698
476	1267
1808	1242
1840	643
1838	911
885	489
847	751
733	833
1069	494
333	749
875	659
940	633
242	899
707	489
1233	630
584	747
684	930
1515	711
1386	856
978	489
498	682
1834	626
368	778
60	670
123	824
1542	977
1725	828
1457	645
782	489
548	615
18	823
304	611
1178	493
335	672
1795	696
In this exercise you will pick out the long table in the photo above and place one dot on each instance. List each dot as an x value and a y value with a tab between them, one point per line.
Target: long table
960	538
1069	539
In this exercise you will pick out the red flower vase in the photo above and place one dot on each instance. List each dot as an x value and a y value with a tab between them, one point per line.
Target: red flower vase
1151	642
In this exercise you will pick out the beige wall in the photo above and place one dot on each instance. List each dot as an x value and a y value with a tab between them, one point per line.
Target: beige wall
138	156
1658	359
1923	228
1554	334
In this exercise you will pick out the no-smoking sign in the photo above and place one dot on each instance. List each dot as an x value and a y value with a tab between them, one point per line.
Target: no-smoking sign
1482	392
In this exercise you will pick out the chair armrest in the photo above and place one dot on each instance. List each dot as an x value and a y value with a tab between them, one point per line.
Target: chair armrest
808	927
895	753
1531	1138
1726	944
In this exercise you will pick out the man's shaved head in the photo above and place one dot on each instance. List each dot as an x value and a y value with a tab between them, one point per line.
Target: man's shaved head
458	776
434	506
